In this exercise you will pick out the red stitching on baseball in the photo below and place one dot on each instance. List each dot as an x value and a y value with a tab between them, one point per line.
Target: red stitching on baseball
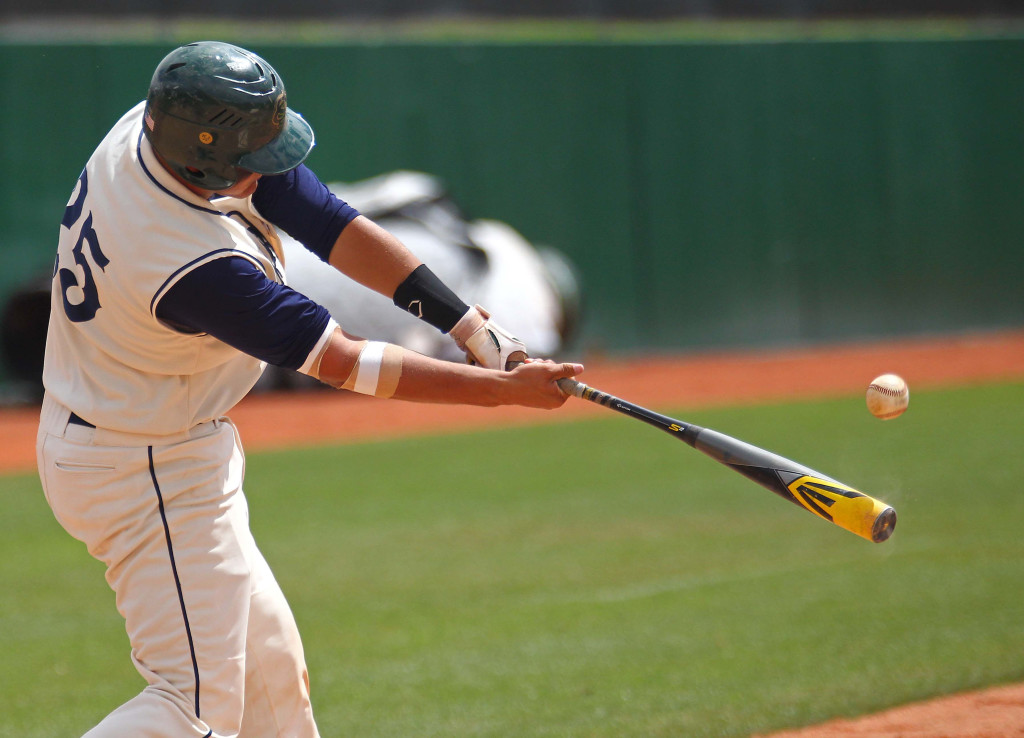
886	390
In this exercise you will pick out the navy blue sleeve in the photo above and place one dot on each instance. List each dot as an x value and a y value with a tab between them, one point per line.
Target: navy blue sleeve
300	204
233	301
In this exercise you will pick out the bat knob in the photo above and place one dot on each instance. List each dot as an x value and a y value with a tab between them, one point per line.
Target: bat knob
515	359
884	525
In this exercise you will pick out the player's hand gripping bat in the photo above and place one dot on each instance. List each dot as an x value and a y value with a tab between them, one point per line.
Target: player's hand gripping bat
806	488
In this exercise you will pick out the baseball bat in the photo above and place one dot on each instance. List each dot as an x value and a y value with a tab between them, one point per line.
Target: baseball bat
820	495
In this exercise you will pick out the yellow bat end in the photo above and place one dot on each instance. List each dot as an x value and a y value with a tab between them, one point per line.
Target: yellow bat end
846	507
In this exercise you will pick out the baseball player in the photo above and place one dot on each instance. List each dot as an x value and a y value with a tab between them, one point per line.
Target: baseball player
168	300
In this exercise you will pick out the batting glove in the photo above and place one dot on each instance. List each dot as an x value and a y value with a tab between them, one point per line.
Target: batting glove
487	344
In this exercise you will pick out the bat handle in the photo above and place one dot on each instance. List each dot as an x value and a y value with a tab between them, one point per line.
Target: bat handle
571	387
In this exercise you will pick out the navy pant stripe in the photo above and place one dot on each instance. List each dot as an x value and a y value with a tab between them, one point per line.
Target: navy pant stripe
177	580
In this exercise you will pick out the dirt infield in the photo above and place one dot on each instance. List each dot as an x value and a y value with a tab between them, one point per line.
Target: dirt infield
695	381
990	713
689	382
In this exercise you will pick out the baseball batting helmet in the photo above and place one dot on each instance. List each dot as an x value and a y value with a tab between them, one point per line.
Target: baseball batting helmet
215	111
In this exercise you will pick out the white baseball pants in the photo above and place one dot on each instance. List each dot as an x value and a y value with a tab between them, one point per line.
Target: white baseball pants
210	630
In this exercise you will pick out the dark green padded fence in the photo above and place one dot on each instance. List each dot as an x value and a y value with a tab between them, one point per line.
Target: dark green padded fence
710	194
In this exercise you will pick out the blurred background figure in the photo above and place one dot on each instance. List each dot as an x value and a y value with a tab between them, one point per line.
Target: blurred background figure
535	289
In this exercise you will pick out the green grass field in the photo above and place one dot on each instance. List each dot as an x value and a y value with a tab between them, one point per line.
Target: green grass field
617	583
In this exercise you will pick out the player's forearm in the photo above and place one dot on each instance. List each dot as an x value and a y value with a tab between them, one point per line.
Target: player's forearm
386	370
425	379
373	257
532	384
420	378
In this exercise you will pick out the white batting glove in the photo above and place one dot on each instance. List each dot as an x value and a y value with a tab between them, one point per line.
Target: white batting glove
486	343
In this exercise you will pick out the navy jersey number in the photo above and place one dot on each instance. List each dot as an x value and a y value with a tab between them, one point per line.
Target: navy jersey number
78	287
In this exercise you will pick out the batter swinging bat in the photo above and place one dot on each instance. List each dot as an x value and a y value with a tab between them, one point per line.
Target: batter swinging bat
806	488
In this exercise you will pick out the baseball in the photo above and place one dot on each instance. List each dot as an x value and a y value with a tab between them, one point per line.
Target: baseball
888	396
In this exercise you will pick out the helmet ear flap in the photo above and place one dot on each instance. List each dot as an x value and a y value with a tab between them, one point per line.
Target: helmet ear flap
178	146
210	180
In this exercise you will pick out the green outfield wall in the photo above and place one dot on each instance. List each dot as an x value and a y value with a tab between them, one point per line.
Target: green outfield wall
711	194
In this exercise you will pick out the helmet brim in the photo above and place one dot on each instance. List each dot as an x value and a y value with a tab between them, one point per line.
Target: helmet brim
285	152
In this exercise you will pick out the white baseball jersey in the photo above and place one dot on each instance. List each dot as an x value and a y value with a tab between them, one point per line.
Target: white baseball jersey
129	233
